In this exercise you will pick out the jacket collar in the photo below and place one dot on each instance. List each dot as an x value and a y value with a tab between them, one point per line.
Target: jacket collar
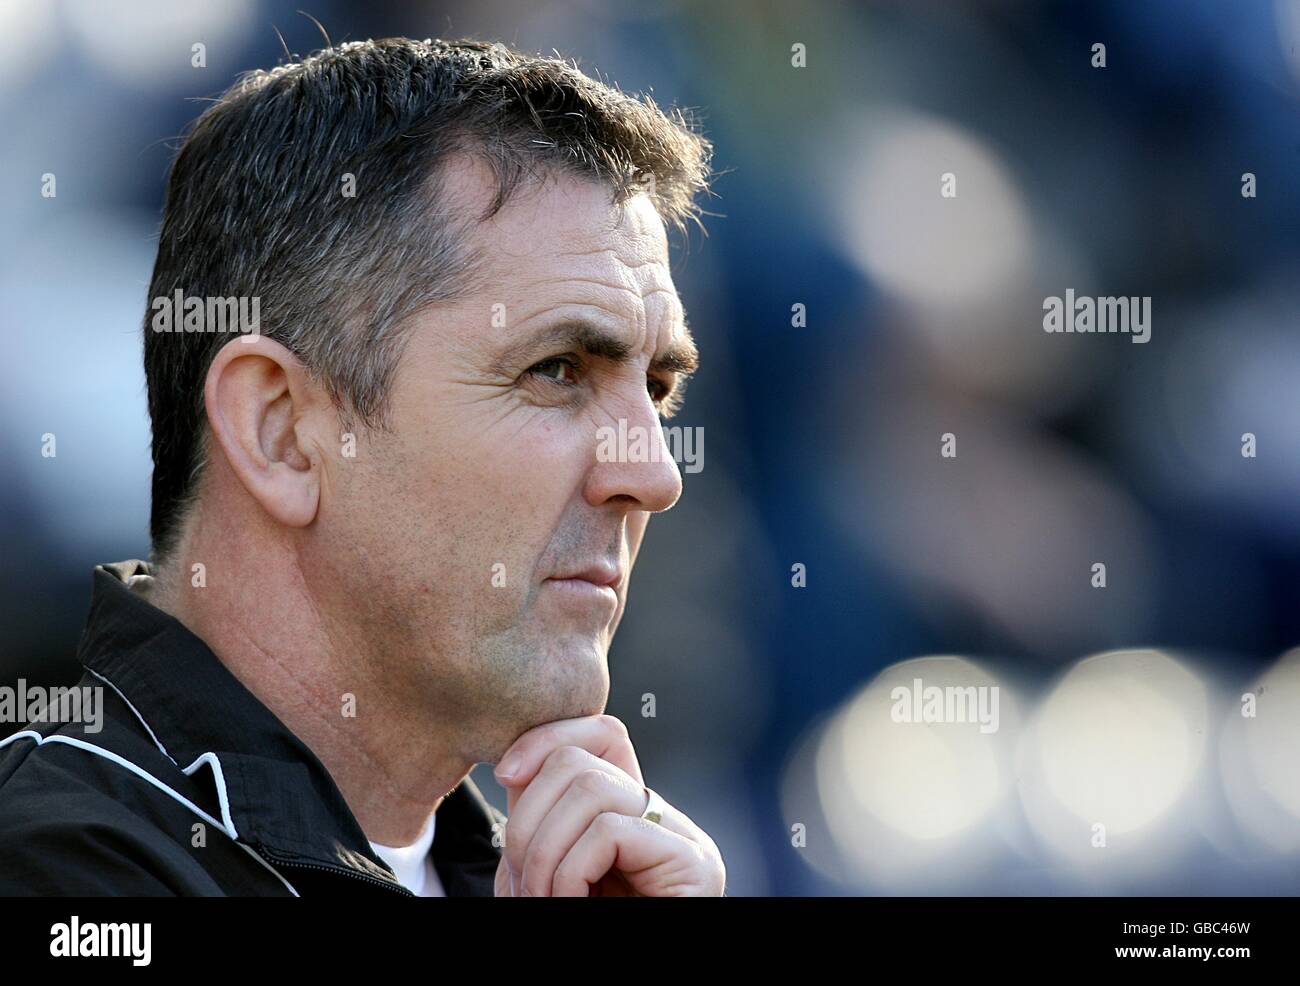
280	795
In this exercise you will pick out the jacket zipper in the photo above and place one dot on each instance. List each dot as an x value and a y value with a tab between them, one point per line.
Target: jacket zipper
395	887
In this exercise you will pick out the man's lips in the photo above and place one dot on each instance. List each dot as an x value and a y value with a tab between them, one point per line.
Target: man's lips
599	574
598	582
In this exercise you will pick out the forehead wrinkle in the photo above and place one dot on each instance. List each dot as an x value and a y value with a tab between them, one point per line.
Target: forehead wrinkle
678	331
617	255
636	312
561	280
630	310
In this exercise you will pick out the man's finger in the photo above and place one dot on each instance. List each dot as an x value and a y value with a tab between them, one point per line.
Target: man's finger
588	794
603	736
503	887
529	806
653	861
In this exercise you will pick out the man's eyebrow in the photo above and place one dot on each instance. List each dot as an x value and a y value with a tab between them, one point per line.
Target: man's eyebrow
595	340
681	357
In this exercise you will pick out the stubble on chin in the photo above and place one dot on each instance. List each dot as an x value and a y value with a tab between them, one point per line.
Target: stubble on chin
542	684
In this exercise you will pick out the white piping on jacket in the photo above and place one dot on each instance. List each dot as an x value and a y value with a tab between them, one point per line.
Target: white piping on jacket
123	762
209	758
226	824
156	741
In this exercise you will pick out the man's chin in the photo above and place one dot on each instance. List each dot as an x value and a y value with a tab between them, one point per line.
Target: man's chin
577	678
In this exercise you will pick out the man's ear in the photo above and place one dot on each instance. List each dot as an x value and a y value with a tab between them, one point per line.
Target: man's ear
258	395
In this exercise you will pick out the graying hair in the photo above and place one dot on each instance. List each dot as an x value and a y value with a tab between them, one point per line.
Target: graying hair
255	208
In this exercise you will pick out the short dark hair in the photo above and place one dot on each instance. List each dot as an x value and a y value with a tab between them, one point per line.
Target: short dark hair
255	208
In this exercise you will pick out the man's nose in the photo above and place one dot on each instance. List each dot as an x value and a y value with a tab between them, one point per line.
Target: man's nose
633	461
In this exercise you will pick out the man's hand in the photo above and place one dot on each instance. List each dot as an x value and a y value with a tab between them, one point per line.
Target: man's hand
574	829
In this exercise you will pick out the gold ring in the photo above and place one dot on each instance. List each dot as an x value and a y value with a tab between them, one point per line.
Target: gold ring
655	809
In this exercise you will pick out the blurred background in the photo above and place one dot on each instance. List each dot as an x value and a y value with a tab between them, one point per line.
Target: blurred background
1120	706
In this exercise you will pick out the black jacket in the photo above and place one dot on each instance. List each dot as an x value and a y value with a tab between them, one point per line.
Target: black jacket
188	755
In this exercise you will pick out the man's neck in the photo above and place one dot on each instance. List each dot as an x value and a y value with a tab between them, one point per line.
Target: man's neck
391	766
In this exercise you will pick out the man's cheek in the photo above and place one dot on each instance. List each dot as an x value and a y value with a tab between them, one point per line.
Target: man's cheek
637	522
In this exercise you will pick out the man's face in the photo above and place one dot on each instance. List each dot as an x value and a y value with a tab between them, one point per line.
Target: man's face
484	545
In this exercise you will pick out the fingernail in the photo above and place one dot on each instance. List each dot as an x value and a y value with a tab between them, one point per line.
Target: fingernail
507	768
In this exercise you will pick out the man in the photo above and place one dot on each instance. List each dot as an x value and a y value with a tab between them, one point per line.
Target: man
384	546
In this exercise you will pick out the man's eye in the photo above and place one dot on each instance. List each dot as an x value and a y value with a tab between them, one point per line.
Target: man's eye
667	397
558	369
